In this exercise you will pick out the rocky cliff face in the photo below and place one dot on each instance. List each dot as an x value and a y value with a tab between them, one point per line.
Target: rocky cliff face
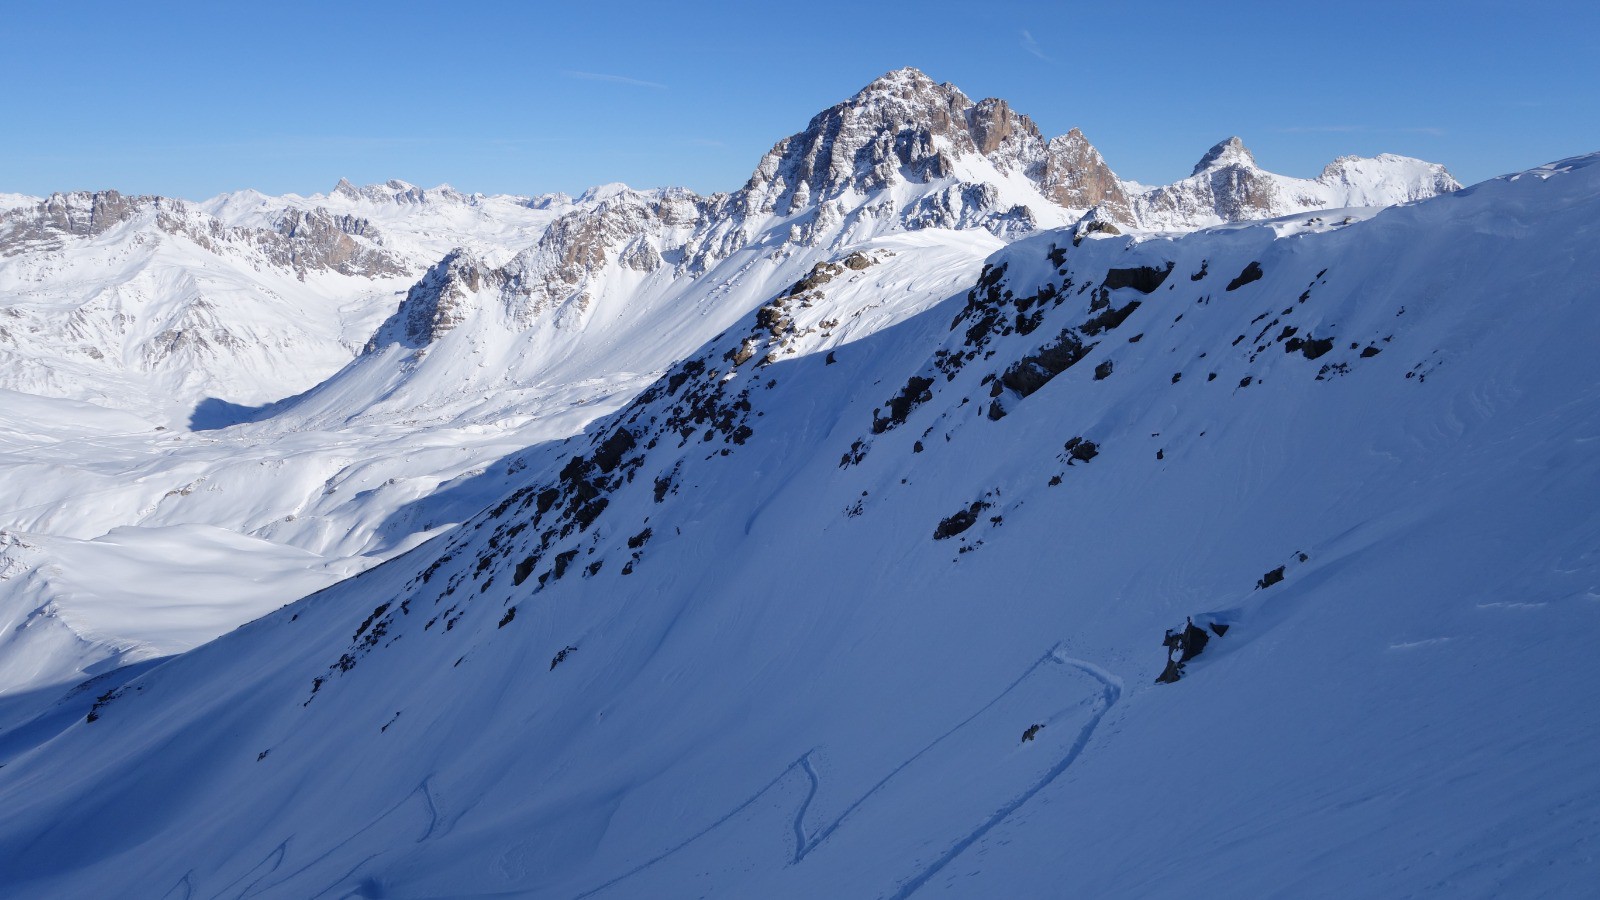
318	239
1076	176
441	300
44	226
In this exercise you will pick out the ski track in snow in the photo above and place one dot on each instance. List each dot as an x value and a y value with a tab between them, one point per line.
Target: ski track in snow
425	788
185	884
1110	693
266	867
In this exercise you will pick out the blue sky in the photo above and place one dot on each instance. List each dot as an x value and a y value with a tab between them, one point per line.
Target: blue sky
190	99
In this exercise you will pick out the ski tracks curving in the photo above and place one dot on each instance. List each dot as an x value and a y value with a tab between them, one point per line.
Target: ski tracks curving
1110	693
805	843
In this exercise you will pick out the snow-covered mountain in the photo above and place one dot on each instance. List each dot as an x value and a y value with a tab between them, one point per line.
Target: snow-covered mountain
421	223
160	355
153	305
877	608
1228	186
893	392
316	338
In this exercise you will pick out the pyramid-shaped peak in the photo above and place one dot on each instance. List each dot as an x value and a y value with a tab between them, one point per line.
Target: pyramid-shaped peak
1231	152
907	84
901	77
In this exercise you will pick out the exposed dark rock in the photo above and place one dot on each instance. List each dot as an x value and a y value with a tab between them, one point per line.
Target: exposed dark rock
524	569
1251	273
563	560
1080	450
961	521
1183	645
1194	642
1035	371
1271	578
1108	320
1144	279
611	450
382	608
1310	347
914	394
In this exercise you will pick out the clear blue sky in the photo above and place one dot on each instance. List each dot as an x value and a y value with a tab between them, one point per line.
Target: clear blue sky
190	99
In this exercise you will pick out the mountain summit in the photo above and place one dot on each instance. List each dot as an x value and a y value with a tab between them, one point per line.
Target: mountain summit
1231	152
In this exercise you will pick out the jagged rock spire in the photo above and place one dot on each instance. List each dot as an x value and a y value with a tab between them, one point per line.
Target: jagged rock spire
1231	152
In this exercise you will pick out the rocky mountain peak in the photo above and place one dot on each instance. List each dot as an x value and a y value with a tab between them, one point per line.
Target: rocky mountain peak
992	123
440	300
1231	152
1075	175
908	86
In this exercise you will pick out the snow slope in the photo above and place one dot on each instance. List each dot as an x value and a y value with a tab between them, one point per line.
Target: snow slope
779	626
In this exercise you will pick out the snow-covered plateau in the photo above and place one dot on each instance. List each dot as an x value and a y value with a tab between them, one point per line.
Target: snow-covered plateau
939	514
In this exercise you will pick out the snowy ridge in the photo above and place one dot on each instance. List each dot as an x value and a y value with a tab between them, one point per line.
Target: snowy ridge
865	595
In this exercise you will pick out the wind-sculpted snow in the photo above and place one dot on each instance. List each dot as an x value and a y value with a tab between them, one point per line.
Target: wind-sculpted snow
716	646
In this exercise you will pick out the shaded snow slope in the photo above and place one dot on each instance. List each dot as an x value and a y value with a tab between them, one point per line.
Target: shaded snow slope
878	612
